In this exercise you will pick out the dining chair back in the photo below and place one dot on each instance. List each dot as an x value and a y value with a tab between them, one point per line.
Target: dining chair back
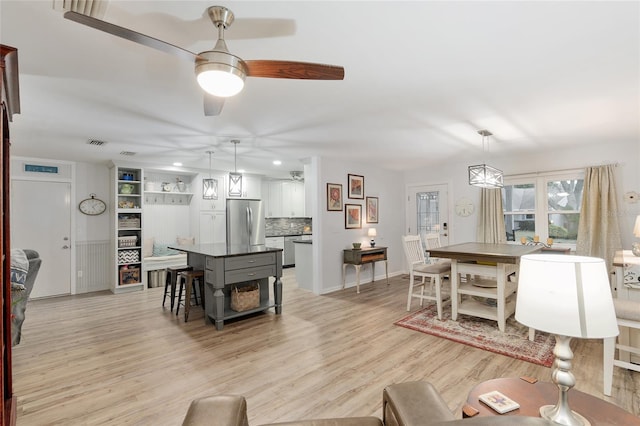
434	272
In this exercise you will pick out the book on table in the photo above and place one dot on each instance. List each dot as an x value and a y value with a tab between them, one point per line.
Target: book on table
499	402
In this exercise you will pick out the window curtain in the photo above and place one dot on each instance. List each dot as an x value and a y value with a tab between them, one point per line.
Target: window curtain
598	229
491	217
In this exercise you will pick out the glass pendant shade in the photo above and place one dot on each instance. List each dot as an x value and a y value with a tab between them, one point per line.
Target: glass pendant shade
209	185
235	184
235	178
485	176
209	189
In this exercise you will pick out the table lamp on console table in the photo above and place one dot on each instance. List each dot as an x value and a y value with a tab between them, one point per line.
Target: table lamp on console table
568	296
372	233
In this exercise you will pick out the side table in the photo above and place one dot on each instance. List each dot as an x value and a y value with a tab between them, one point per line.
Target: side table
531	396
359	257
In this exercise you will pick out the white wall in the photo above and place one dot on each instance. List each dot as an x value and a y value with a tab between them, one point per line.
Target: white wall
625	154
330	235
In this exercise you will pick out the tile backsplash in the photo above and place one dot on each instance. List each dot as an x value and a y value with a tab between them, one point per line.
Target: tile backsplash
278	226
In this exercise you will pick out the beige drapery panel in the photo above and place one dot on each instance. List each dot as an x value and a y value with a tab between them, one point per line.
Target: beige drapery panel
491	217
598	229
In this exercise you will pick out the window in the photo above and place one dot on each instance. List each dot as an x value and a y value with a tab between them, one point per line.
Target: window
547	206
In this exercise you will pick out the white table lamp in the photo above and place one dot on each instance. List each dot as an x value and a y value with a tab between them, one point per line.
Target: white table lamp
635	247
372	233
568	296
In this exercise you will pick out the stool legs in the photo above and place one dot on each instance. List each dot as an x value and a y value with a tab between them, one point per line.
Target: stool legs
188	283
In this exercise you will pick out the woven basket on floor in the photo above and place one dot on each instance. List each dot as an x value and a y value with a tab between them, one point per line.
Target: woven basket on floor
245	298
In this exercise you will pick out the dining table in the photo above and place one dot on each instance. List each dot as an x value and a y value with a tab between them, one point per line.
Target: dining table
487	291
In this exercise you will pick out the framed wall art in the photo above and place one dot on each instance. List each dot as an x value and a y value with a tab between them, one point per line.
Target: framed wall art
334	197
356	187
372	209
352	216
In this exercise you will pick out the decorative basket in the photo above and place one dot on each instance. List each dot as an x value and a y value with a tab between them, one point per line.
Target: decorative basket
128	222
245	298
128	256
129	241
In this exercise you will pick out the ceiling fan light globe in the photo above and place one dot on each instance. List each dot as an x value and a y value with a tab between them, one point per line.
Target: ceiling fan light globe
220	83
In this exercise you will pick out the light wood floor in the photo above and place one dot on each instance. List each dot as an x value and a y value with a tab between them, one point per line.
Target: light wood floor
123	359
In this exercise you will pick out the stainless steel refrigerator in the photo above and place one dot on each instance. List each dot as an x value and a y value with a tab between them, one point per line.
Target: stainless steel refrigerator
245	222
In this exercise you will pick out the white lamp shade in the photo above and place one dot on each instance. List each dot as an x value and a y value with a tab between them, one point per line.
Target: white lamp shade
220	83
372	232
566	295
636	228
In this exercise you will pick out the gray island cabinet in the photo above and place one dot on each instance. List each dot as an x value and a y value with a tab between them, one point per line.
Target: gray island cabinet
226	267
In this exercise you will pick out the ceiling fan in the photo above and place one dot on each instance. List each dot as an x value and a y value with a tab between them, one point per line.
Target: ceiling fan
220	74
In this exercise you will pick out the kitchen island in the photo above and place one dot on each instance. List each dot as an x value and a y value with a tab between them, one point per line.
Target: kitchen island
229	267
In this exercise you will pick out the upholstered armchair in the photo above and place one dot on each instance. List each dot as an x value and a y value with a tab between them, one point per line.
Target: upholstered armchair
19	298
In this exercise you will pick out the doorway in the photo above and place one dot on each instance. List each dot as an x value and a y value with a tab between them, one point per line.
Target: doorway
428	211
41	220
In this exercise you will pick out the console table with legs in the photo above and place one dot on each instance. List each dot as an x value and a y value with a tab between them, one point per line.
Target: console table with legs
359	257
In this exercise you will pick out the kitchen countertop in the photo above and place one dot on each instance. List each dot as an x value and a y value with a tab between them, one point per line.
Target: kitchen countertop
222	250
296	234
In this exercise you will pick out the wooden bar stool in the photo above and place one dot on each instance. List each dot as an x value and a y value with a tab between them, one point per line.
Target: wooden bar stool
187	281
170	283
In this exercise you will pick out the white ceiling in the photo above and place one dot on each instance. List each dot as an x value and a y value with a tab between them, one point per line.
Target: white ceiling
420	79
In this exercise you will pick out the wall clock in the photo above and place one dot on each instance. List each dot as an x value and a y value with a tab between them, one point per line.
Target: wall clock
464	207
92	206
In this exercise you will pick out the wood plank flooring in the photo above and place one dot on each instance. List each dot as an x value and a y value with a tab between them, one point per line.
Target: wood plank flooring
124	360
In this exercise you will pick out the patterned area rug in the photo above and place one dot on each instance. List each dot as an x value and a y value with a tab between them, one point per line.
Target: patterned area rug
484	334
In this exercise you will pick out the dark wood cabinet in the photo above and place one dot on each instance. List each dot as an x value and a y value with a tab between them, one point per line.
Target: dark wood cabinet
10	104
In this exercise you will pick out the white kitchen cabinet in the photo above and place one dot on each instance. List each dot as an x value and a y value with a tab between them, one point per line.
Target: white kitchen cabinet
293	199
273	204
283	198
212	227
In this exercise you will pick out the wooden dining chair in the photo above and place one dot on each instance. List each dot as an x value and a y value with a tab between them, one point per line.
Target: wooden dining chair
434	272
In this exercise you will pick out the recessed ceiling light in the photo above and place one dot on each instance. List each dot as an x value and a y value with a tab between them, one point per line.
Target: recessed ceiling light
177	164
277	162
241	170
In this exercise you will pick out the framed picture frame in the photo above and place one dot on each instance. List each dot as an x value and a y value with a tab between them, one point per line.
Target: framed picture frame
372	209
355	187
129	276
352	216
334	197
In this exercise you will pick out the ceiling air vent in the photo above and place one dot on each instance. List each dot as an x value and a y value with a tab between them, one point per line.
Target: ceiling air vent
93	8
96	142
128	153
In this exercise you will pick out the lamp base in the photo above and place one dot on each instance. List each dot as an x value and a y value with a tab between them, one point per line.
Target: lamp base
373	243
551	412
635	249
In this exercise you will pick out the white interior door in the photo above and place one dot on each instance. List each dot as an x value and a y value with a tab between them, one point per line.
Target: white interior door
41	220
428	211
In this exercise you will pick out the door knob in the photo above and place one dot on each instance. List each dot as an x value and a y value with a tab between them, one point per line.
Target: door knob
65	247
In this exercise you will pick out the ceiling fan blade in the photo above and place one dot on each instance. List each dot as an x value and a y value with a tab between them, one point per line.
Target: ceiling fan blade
212	105
295	70
130	35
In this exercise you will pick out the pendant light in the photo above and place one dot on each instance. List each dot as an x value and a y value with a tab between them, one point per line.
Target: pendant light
210	185
483	175
235	178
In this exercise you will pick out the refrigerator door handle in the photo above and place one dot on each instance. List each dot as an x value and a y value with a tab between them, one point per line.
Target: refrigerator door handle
249	223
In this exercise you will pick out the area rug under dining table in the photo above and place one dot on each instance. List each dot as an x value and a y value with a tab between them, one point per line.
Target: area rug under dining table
484	334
